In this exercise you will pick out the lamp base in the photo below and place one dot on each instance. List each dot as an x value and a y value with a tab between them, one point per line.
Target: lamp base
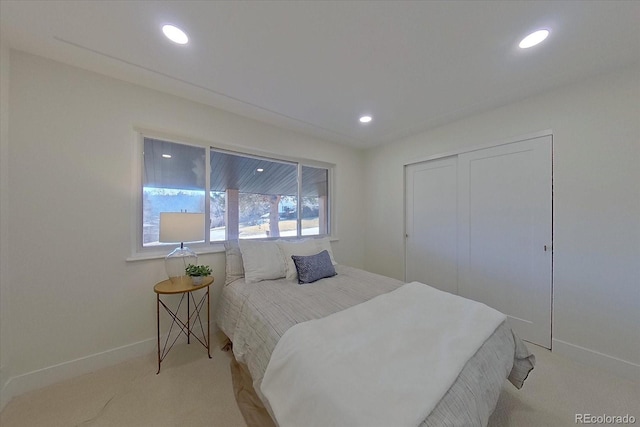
177	261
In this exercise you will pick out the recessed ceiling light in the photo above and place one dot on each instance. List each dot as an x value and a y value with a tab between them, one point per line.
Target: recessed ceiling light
259	170
175	34
533	39
365	119
166	156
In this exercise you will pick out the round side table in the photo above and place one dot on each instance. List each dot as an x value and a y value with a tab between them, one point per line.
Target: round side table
186	289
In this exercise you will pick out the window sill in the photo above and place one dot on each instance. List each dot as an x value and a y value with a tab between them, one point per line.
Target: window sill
145	256
213	249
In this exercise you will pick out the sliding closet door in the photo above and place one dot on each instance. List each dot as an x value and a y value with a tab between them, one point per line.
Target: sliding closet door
431	244
504	233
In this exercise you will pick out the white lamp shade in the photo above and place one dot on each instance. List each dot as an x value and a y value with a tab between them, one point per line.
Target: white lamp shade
177	227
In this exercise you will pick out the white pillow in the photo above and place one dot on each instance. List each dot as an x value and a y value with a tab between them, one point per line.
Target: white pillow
234	266
296	247
261	260
302	248
324	243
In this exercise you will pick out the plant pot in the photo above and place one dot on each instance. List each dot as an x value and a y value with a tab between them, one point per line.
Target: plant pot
197	280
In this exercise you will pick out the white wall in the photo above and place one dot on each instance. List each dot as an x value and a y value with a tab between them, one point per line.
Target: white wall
76	303
4	182
596	136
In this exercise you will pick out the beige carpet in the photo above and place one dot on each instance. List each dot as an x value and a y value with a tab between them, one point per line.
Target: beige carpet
193	391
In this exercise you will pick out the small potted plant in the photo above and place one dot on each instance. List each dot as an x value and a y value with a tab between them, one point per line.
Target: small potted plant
197	273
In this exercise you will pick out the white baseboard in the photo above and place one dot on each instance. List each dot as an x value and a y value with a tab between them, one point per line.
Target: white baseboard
616	366
15	386
20	384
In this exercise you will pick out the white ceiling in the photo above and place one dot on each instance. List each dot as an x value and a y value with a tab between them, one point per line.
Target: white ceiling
315	67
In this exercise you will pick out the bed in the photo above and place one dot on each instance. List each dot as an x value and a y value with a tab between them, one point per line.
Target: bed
262	306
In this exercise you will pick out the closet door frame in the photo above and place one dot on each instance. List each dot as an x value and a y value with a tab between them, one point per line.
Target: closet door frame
497	143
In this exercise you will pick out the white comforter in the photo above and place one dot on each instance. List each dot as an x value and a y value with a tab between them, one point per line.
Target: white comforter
385	362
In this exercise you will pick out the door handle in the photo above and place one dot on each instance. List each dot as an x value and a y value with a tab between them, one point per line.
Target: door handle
547	248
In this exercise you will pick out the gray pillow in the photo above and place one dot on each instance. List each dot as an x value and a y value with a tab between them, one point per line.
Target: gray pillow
313	267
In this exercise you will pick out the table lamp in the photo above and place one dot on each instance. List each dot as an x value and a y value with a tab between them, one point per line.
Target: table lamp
180	227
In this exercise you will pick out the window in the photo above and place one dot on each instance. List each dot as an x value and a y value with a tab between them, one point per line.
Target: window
242	196
173	180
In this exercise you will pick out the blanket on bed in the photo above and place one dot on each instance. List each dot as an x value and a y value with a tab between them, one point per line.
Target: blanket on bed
422	337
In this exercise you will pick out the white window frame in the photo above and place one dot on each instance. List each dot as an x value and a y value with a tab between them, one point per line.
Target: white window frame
139	252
